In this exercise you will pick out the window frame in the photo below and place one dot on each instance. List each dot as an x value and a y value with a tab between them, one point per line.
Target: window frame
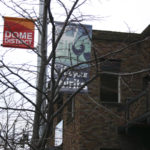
70	110
58	105
111	67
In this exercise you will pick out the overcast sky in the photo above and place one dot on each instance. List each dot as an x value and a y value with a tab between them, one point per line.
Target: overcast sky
116	15
122	15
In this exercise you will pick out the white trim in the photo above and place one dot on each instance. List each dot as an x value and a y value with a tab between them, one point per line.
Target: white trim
119	89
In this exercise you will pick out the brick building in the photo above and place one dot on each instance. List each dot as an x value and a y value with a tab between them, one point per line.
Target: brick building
114	114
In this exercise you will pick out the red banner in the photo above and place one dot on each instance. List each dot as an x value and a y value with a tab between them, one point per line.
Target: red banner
18	33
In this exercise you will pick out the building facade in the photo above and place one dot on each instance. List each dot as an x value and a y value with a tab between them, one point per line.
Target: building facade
114	114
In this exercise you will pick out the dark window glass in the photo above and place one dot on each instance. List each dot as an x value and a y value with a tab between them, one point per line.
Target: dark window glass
108	82
146	81
59	104
111	65
109	88
70	110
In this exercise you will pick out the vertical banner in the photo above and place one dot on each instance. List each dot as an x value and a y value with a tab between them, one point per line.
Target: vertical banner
73	48
18	33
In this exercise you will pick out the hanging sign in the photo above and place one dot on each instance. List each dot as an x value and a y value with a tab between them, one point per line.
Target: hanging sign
18	33
73	48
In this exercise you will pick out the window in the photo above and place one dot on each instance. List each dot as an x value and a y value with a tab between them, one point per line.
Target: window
109	88
59	104
146	81
70	110
109	83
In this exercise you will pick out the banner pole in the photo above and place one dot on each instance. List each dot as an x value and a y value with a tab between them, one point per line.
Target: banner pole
42	46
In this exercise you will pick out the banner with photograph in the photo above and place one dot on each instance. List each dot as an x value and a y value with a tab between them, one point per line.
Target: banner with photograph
18	33
73	49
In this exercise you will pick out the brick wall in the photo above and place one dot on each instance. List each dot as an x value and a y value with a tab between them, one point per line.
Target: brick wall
95	124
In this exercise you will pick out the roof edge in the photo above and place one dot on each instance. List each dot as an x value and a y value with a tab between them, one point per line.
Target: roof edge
120	36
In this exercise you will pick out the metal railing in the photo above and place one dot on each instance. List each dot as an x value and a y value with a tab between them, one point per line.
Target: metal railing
138	105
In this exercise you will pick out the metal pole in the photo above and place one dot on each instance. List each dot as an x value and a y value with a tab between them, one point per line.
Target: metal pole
41	73
40	48
41	11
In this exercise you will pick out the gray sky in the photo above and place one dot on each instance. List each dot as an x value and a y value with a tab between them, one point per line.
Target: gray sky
122	15
116	15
